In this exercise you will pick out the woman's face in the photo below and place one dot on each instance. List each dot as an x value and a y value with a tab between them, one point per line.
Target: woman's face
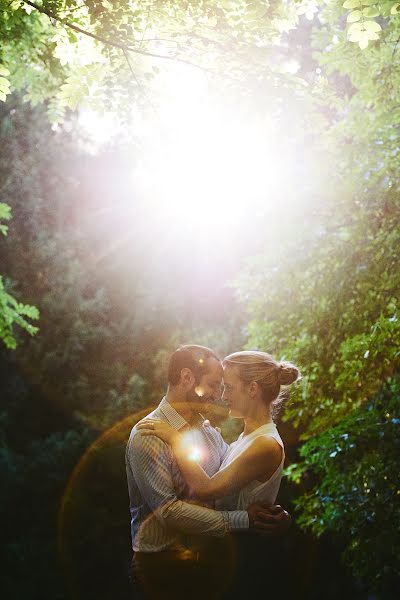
235	393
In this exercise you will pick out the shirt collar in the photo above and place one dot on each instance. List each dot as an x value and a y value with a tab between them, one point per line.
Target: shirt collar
172	416
175	419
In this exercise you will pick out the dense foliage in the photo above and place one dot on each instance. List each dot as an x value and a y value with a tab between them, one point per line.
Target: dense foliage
108	53
328	299
357	491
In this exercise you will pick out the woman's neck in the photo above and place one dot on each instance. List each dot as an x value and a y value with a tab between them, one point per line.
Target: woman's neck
256	420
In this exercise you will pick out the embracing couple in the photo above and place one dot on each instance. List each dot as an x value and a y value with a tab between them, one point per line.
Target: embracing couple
195	501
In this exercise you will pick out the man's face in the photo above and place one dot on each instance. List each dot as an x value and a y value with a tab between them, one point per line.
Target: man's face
235	393
209	387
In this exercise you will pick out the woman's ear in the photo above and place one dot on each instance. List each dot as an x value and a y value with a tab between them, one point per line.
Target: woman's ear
253	388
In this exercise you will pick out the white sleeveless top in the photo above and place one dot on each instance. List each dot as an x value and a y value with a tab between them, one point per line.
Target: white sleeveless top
255	491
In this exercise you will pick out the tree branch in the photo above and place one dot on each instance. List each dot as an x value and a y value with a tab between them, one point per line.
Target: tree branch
139	85
114	44
395	47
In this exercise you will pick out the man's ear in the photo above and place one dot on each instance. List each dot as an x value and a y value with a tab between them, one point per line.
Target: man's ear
187	377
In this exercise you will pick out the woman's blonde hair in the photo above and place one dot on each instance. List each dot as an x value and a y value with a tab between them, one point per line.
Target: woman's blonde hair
269	373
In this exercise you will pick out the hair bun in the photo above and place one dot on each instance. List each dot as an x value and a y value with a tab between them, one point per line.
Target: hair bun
288	373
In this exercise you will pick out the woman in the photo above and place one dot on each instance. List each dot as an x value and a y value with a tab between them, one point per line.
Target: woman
251	470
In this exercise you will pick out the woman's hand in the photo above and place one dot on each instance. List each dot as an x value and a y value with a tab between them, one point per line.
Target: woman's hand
162	430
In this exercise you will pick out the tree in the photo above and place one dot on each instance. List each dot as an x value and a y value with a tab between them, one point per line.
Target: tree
328	299
13	312
108	54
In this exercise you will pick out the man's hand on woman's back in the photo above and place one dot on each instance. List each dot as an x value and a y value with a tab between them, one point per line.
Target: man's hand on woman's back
268	520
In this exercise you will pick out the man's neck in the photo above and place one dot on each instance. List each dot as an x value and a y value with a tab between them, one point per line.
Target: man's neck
178	401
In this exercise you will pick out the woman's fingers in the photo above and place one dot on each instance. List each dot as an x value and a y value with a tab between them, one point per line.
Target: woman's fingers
146	425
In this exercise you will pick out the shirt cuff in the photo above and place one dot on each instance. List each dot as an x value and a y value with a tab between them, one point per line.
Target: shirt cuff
236	520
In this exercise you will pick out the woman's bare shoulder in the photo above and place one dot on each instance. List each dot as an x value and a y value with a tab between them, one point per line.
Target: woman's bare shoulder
265	445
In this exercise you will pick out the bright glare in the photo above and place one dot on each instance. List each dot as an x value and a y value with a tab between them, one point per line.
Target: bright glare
199	391
97	128
208	164
195	454
190	447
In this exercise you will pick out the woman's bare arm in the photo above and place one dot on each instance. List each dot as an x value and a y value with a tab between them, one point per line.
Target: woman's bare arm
259	460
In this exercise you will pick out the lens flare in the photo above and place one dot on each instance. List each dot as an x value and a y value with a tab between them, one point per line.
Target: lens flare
199	391
88	519
195	454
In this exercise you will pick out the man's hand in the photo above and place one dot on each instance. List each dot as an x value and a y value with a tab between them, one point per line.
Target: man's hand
268	520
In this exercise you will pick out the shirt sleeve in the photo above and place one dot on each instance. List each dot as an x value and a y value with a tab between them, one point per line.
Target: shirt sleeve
150	461
223	446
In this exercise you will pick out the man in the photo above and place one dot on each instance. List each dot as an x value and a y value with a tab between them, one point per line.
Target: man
171	535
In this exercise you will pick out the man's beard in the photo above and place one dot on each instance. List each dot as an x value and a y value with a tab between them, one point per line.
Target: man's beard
197	402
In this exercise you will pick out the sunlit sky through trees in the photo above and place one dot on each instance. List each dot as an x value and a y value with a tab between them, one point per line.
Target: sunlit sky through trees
203	180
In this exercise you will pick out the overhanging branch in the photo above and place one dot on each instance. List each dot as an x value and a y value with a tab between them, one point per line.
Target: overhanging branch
115	44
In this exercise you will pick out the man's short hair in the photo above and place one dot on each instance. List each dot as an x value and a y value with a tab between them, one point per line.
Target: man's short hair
190	356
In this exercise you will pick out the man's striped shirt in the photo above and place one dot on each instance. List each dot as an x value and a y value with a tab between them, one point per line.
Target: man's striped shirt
161	504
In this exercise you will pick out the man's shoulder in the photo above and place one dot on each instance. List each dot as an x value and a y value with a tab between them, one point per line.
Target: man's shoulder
212	432
145	442
154	414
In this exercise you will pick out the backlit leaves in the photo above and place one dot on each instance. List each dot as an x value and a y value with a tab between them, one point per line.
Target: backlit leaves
227	39
362	12
4	83
5	215
363	32
13	312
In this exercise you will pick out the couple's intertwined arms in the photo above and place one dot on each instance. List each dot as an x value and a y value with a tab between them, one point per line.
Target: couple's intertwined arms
150	461
260	460
149	458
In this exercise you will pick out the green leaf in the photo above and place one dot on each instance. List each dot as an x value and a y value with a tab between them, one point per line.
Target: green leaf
370	12
351	3
372	26
30	311
4	85
3	97
355	29
4	71
395	9
5	211
369	2
354	16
